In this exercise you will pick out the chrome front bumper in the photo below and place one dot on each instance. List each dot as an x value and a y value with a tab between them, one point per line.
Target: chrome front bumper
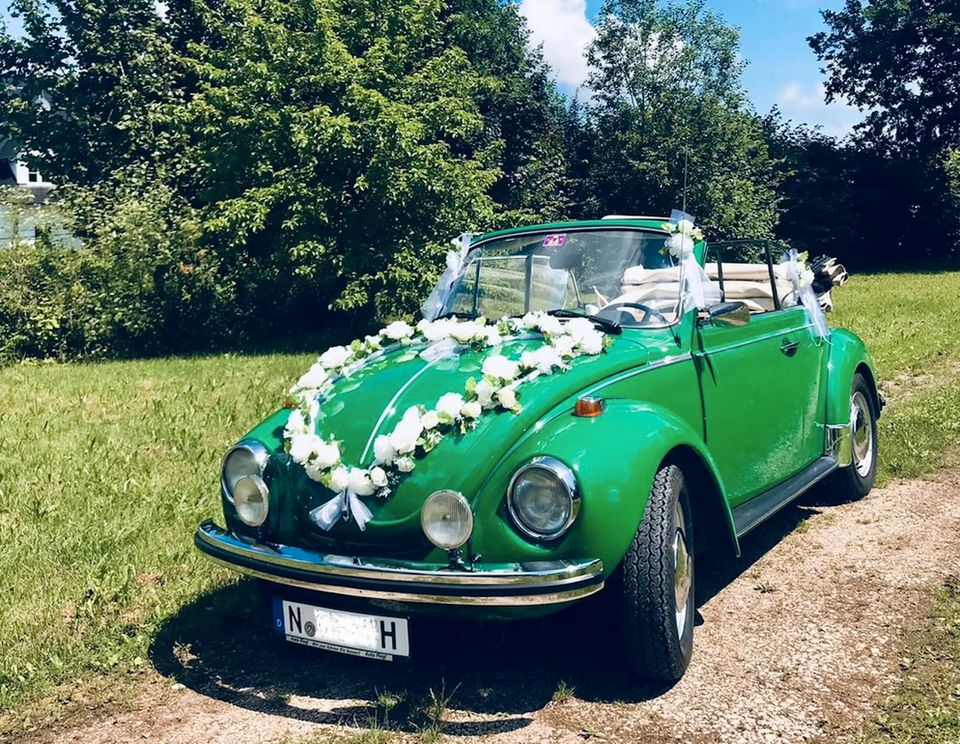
500	584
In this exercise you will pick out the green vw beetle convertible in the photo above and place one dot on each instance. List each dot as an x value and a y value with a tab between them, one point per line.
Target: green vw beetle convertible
584	406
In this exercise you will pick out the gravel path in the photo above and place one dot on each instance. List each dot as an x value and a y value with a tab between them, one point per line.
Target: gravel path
796	641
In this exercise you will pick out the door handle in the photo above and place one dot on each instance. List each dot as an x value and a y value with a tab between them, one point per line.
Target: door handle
788	347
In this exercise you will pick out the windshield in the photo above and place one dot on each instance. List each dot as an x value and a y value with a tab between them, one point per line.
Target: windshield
622	275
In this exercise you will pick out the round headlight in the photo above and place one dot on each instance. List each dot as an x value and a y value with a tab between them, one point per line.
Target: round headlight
446	519
251	500
247	458
542	498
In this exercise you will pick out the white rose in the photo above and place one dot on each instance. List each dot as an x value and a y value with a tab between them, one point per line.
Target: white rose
500	368
507	398
383	450
449	406
564	345
404	437
545	359
592	344
464	332
806	278
302	446
398	330
314	378
372	342
378	476
405	464
339	479
531	321
335	357
685	227
485	391
295	425
471	410
430	420
550	326
327	454
680	246
579	327
359	482
492	337
436	330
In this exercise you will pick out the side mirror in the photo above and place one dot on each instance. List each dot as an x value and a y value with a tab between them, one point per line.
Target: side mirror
728	314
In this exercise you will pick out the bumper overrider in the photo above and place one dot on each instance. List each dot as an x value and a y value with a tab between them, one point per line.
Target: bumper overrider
499	584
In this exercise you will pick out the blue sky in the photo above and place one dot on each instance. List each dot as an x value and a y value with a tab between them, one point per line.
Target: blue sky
782	69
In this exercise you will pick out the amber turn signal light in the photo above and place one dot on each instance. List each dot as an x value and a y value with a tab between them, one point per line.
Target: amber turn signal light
588	407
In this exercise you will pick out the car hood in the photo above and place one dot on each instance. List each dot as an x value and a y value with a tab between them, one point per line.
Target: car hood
372	400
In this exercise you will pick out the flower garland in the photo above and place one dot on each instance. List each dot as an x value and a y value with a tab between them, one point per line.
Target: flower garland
421	429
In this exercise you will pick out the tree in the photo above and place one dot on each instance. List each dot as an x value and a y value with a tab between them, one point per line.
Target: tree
670	119
898	59
83	84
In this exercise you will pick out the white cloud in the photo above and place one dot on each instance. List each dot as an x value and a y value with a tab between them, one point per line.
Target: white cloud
807	104
565	32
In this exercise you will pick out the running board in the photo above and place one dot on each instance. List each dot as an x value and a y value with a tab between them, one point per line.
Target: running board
750	514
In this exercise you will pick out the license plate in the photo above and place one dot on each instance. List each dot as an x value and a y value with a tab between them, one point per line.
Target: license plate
371	636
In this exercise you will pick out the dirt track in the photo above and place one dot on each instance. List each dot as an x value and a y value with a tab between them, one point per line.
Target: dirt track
798	640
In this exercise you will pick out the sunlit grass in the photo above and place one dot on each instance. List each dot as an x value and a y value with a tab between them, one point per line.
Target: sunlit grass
106	469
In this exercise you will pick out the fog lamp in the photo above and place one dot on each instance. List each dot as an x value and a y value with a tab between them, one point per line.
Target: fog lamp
251	500
446	519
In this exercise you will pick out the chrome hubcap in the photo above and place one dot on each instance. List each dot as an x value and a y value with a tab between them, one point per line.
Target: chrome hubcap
862	429
682	570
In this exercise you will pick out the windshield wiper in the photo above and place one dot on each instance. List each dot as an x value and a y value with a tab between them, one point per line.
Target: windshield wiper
610	326
457	313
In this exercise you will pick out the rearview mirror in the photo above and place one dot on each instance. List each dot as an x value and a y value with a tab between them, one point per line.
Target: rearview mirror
728	314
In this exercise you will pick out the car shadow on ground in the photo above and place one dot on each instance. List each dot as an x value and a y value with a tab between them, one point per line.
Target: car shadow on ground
222	646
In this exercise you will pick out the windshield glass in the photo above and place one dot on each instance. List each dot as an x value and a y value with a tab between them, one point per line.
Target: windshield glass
622	275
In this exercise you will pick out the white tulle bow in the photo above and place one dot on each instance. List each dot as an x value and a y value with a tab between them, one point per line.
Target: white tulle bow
343	504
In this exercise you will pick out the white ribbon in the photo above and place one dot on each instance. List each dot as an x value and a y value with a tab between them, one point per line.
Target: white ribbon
343	504
456	263
806	296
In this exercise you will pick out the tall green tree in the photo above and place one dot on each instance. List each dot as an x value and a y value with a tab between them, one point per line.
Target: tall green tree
670	121
898	58
82	84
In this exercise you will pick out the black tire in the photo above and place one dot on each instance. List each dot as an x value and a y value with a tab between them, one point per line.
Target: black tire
855	481
658	639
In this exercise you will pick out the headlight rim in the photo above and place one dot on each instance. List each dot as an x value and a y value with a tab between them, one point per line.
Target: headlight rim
470	517
566	476
261	456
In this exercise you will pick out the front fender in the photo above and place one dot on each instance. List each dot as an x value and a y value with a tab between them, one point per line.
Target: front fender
614	456
848	355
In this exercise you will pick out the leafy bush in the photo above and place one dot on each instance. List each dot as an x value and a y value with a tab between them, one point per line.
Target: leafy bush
134	282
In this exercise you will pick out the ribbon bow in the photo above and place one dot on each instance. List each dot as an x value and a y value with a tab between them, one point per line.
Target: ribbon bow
344	504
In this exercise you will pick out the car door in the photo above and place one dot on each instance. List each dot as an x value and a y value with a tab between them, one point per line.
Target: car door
761	386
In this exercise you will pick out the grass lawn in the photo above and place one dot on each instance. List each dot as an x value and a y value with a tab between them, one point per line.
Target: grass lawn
106	469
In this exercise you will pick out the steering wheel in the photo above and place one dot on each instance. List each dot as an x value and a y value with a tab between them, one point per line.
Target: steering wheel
645	309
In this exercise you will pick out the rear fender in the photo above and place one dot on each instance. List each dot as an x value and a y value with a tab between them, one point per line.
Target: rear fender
848	356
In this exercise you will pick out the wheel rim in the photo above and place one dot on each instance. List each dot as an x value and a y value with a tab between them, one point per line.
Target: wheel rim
861	425
682	570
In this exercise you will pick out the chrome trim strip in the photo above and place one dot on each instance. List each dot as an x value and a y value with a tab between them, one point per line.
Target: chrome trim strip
526	600
571	579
